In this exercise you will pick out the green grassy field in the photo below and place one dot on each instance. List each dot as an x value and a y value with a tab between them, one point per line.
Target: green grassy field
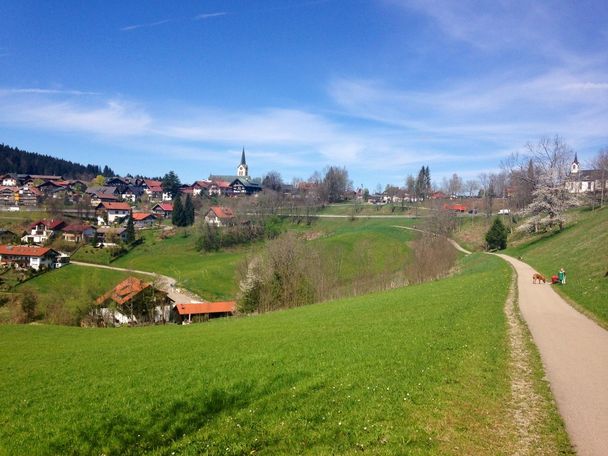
362	209
372	244
419	370
582	250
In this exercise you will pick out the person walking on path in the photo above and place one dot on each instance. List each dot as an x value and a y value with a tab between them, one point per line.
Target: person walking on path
562	276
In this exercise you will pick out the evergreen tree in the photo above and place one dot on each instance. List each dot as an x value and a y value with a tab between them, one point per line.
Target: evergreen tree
171	184
178	217
496	237
189	211
130	231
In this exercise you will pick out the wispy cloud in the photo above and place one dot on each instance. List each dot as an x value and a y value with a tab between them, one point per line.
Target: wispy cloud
34	90
128	28
209	15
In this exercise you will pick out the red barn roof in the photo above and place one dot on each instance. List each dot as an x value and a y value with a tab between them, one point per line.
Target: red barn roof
115	206
168	207
198	308
139	216
124	291
50	224
222	212
24	250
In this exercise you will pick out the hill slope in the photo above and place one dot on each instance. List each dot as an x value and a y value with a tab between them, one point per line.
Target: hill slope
582	250
418	370
13	160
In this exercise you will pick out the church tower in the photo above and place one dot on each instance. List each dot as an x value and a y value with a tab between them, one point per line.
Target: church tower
574	167
243	169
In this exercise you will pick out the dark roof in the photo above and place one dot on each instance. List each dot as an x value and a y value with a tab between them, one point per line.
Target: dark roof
247	183
243	162
588	175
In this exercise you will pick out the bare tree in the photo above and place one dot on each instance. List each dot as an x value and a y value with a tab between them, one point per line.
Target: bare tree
471	186
454	185
273	181
600	163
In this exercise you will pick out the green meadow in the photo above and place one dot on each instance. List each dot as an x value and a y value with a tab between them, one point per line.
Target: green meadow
417	370
582	250
371	244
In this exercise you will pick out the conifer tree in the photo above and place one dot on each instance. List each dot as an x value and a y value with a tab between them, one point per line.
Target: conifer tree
178	218
496	237
130	231
188	211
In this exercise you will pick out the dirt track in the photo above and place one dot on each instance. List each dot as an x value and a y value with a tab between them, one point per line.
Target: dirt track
574	352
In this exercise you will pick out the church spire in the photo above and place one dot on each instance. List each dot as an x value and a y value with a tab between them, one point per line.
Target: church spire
243	162
575	157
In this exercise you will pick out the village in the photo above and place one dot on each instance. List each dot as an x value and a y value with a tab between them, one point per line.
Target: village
111	215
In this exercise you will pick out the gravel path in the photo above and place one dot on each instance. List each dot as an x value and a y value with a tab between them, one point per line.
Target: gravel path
574	352
165	283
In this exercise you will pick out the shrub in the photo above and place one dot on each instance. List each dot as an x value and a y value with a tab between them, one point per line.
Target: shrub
496	237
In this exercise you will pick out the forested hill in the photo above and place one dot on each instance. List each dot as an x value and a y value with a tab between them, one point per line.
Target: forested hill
13	160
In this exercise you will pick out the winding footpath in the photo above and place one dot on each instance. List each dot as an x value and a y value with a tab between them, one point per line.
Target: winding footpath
574	352
166	283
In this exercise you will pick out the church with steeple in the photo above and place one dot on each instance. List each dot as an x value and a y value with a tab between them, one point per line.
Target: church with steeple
242	183
243	169
585	180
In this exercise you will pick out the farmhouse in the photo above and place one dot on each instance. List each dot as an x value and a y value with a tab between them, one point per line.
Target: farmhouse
109	236
42	231
244	186
78	233
9	180
24	256
202	311
163	210
108	213
144	219
134	301
9	195
219	216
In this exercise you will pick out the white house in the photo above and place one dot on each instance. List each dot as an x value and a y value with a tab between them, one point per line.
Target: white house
42	231
219	216
24	256
115	212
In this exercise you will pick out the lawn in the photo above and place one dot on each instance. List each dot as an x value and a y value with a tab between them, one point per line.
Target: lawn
371	244
419	370
582	250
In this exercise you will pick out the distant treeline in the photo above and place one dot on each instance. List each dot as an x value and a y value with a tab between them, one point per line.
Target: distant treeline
13	160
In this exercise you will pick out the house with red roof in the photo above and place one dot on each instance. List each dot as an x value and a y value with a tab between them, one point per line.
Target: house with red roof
78	233
26	256
220	216
144	219
202	311
42	231
154	190
112	212
134	301
163	210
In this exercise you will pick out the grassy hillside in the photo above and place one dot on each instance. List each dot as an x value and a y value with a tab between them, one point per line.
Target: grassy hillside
420	370
582	250
374	245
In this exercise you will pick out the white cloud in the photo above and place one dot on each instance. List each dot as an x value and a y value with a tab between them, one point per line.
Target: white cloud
210	15
128	28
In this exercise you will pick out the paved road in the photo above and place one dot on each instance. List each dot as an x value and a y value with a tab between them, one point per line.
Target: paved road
165	283
574	351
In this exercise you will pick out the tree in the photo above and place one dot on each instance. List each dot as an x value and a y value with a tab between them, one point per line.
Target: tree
454	185
178	217
335	184
423	183
188	211
496	237
273	181
410	185
171	184
547	207
600	163
471	186
98	181
130	231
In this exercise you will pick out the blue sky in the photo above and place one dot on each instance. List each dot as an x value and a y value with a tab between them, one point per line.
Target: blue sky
379	86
